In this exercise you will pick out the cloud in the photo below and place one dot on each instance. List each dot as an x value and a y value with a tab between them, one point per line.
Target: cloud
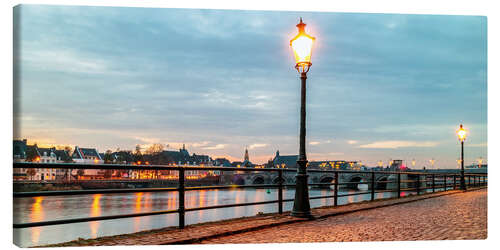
218	146
257	145
200	144
146	73
399	144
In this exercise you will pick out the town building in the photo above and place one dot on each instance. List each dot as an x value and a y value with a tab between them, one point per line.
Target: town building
86	156
32	153
290	161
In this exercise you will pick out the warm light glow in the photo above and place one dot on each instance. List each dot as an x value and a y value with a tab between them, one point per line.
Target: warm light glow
94	212
462	133
35	216
302	48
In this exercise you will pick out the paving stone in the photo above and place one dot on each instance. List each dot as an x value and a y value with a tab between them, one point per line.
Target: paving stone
429	219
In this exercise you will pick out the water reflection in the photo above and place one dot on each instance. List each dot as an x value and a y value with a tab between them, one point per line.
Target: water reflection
36	215
65	207
138	209
95	211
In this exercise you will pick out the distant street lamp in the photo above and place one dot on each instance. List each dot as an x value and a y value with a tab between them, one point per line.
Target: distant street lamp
432	162
413	163
462	134
302	48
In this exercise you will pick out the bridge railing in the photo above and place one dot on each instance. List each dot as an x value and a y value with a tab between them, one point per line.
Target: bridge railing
421	182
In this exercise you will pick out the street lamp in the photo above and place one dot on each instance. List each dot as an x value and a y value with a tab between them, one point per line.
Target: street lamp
431	161
462	134
302	48
413	163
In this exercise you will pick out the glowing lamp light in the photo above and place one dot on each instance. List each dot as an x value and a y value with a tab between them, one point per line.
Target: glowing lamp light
461	133
302	48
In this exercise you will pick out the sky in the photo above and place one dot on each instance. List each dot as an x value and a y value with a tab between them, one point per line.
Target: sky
381	86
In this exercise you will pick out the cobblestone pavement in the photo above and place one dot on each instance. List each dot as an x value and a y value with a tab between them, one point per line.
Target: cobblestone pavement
450	217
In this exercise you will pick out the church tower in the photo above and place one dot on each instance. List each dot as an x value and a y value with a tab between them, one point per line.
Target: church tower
246	155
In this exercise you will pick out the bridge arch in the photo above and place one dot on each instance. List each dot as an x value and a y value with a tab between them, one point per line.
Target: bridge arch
381	183
354	182
327	179
259	179
276	180
238	180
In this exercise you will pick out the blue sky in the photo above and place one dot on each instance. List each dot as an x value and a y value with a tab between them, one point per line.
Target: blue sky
382	86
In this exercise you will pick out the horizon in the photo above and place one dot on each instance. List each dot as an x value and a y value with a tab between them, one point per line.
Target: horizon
382	86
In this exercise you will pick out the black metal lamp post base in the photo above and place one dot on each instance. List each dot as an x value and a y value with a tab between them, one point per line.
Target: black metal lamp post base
301	207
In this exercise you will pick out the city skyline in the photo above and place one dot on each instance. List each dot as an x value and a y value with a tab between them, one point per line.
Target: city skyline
381	85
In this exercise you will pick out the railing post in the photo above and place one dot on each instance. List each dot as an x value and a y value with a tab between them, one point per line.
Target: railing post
373	186
468	178
336	189
399	185
280	191
444	181
417	185
181	198
454	182
433	183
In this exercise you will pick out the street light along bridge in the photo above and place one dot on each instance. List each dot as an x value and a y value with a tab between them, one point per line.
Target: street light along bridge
377	182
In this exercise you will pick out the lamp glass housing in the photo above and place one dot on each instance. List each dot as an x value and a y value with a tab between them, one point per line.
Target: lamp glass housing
461	133
302	45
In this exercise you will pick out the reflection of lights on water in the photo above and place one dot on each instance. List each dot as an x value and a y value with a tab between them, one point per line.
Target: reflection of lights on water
36	215
138	202
138	208
201	201
95	211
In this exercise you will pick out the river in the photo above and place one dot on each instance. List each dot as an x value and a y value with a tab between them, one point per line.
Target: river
46	208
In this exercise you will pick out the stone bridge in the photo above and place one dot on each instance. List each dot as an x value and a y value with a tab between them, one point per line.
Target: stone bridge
351	180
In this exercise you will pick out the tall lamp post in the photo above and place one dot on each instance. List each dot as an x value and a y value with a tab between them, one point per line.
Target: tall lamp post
462	134
302	48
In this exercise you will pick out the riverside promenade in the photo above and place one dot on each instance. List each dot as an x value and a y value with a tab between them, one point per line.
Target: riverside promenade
450	215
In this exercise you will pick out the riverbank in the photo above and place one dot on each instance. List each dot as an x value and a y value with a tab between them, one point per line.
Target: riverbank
210	230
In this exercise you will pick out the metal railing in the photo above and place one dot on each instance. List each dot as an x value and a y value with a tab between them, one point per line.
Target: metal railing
432	181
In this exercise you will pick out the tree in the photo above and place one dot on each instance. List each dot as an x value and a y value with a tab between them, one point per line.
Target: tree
108	173
155	149
108	157
80	173
154	153
137	154
31	172
31	154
